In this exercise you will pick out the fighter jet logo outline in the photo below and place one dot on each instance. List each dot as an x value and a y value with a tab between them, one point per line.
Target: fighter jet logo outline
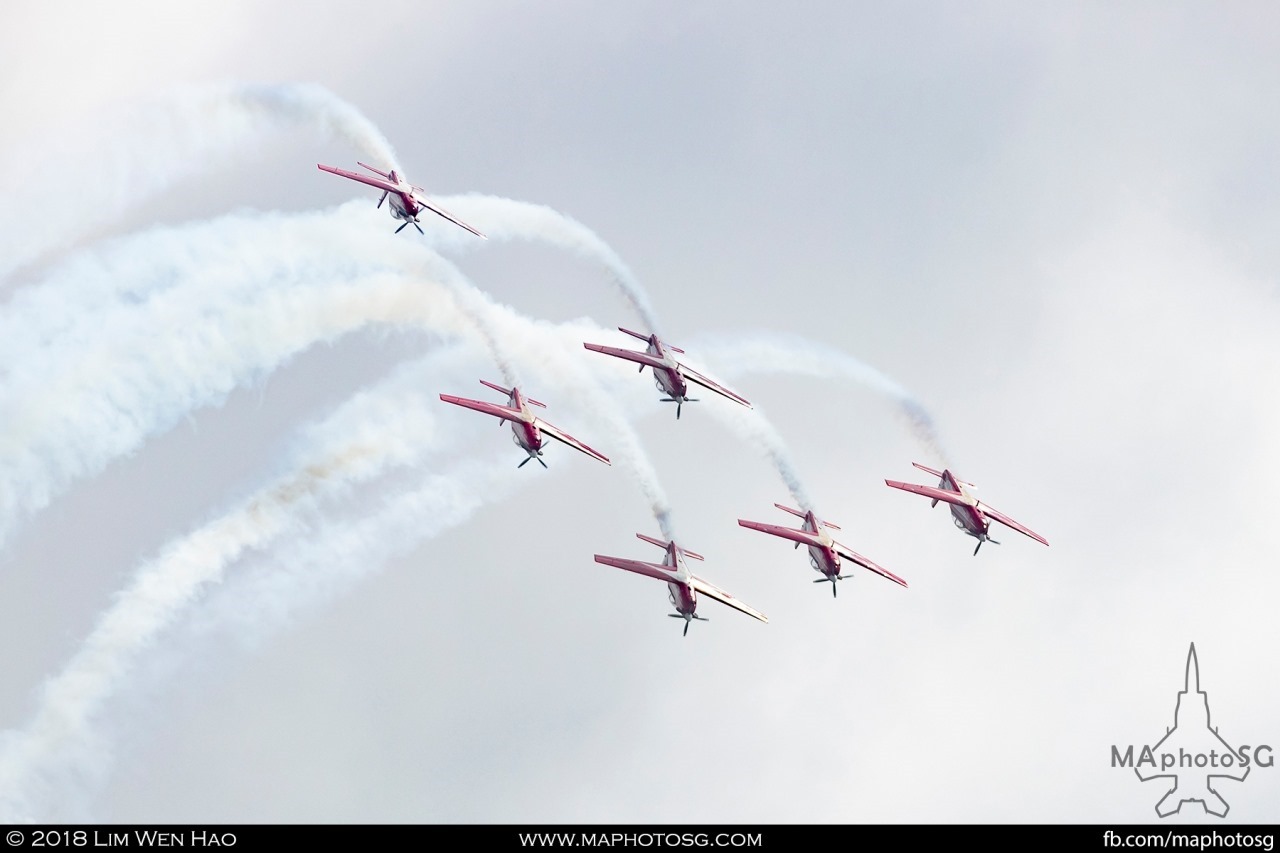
1194	728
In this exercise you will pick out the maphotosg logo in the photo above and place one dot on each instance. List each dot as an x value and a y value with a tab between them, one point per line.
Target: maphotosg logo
1192	756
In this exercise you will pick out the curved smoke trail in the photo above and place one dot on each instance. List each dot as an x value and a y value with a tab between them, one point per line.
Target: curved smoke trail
246	293
509	335
780	353
137	151
278	286
392	426
506	219
389	426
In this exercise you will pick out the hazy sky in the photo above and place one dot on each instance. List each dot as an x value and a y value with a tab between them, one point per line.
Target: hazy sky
1051	224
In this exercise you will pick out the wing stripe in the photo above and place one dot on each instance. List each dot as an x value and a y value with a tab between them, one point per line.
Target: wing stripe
565	438
724	598
696	377
1009	522
853	556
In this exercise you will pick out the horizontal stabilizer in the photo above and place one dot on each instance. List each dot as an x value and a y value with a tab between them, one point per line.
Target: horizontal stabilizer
646	339
662	544
507	391
375	171
798	514
941	474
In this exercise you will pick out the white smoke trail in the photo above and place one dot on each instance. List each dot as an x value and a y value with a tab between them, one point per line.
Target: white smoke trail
378	430
238	300
757	430
389	426
779	353
510	336
84	178
506	219
392	426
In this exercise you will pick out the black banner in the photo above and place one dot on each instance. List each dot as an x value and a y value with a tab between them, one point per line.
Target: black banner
726	837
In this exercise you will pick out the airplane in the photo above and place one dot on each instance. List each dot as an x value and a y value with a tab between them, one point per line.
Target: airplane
824	552
527	429
406	199
670	376
970	514
682	586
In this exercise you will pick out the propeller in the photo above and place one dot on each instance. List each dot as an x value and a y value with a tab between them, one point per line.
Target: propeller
679	403
402	227
381	200
687	619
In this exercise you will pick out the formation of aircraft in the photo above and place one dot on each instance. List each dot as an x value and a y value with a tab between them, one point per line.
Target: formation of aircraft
671	376
682	585
824	552
969	514
407	200
527	429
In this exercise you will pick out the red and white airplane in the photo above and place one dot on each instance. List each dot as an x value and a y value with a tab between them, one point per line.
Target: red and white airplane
527	429
407	201
824	552
682	586
671	377
969	514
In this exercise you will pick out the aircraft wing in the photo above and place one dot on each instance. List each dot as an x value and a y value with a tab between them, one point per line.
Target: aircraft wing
696	377
855	557
653	570
504	412
630	355
931	492
380	183
804	537
440	211
724	598
1009	522
564	437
